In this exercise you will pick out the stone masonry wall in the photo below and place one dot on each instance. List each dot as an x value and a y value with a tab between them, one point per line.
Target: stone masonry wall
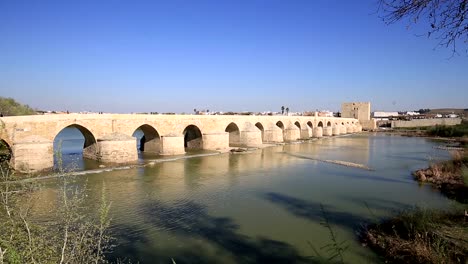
427	122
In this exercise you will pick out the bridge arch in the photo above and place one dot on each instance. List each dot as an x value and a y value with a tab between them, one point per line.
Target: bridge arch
310	125
193	138
234	134
280	125
329	124
298	124
148	138
320	124
262	130
5	151
73	140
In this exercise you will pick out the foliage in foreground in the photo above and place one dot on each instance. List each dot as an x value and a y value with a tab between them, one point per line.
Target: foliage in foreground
73	238
421	236
10	107
444	20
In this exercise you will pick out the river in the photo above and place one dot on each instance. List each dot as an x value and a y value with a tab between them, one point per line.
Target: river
267	206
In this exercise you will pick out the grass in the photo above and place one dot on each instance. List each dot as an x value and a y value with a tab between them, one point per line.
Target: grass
460	130
450	177
421	236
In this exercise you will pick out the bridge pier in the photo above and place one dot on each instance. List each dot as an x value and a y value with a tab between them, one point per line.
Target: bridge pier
305	133
153	145
216	141
251	138
327	131
172	145
275	135
318	132
32	154
342	129
292	134
349	129
358	128
335	131
115	148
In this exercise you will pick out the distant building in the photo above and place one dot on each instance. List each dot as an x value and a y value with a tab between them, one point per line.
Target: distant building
325	113
385	115
361	111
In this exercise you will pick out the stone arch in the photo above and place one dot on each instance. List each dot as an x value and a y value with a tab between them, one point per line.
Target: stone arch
262	129
234	134
193	138
280	125
320	124
149	141
298	124
329	124
5	151
88	149
310	125
342	123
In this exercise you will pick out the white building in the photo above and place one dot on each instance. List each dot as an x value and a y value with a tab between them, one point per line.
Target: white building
384	115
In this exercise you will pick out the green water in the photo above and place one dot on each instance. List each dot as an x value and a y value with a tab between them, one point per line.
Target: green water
260	207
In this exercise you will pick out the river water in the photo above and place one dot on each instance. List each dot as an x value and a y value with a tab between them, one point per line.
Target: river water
267	206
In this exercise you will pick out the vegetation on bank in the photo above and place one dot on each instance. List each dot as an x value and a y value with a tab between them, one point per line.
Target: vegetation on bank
428	236
421	236
5	153
10	107
450	177
460	130
457	131
73	237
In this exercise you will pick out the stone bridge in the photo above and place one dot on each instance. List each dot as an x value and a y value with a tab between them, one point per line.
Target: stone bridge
109	137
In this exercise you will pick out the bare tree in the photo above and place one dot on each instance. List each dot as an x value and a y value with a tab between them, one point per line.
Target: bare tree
446	20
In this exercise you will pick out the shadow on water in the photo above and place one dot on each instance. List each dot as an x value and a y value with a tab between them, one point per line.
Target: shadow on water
361	176
373	203
312	211
190	221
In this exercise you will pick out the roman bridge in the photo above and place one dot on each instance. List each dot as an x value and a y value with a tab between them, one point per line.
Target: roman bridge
109	137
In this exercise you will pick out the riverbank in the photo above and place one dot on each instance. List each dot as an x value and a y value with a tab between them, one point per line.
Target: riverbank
421	236
450	177
428	236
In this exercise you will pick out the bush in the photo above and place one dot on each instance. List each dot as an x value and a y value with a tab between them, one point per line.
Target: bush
449	131
73	237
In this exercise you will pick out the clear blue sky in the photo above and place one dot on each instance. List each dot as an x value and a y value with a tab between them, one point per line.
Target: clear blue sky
174	56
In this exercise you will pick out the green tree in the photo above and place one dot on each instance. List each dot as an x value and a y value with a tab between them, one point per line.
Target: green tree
446	21
10	107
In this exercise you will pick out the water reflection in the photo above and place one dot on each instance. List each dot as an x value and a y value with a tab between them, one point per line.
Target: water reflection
257	207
